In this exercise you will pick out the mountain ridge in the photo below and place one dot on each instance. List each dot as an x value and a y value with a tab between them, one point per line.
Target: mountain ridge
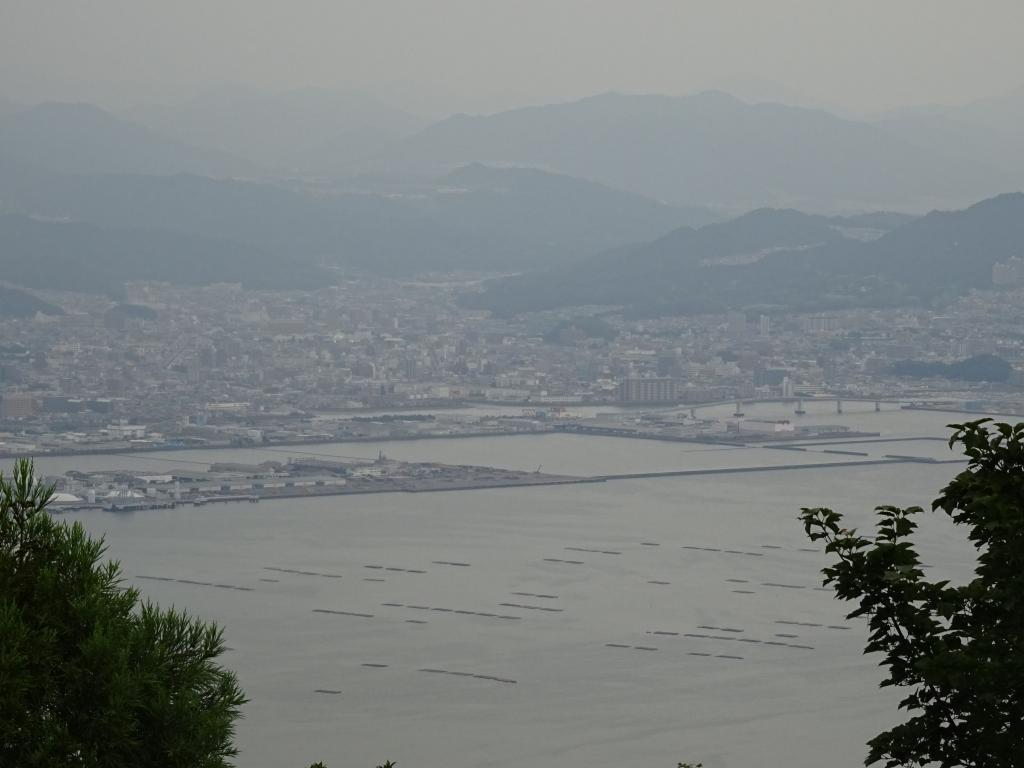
496	221
709	148
76	256
82	138
312	130
783	258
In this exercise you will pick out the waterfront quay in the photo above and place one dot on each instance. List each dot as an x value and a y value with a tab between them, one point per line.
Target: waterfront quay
125	490
306	478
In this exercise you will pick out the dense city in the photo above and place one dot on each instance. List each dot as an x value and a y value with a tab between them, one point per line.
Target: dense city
169	366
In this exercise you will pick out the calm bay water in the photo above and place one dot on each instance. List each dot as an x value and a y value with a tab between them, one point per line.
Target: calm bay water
643	622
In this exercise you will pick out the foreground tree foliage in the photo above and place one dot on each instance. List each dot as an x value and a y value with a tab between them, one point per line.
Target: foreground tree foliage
958	649
89	676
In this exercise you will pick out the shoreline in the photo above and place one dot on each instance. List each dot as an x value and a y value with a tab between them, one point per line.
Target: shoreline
522	481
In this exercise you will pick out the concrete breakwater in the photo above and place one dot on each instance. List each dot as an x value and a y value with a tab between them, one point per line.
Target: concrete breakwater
777	468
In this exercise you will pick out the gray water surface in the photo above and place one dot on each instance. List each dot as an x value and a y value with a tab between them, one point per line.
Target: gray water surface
642	622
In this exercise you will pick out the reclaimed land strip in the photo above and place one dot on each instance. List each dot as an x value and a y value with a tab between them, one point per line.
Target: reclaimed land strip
532	479
739	470
306	440
517	480
527	480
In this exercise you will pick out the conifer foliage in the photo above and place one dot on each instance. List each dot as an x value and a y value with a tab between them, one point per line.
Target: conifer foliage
90	675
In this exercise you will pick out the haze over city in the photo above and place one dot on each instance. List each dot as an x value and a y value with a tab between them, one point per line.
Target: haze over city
469	364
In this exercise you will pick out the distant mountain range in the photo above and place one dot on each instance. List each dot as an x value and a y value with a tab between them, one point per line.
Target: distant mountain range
712	149
475	218
288	189
709	149
782	259
986	131
82	138
309	130
526	204
1001	115
86	258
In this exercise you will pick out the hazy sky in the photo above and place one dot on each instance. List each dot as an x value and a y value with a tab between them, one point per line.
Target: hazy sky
441	56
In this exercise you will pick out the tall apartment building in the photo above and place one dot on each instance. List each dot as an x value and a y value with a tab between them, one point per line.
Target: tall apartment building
648	390
17	405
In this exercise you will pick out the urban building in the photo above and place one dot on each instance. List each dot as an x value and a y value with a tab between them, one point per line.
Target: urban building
17	405
648	390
